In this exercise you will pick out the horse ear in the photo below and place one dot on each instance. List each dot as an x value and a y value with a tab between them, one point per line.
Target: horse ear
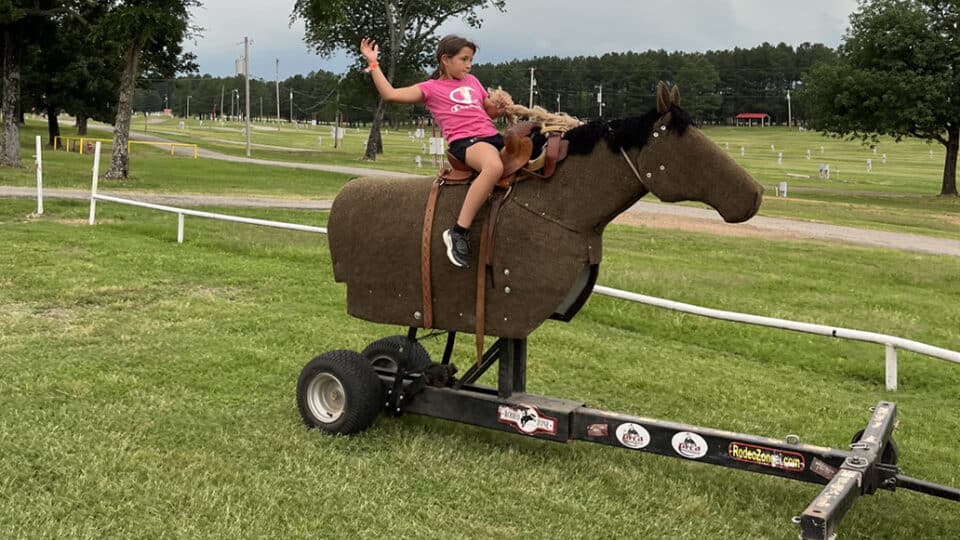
675	95
663	97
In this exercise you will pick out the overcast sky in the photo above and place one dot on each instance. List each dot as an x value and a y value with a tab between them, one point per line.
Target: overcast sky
532	28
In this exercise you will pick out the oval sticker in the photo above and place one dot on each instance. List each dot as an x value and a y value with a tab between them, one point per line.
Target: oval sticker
689	445
633	435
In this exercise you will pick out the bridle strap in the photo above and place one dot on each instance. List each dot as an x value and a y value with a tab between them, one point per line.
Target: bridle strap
633	168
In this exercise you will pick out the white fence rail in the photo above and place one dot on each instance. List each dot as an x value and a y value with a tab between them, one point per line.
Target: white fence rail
210	215
95	196
891	343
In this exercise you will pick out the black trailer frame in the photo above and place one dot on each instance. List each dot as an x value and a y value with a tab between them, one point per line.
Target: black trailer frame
868	465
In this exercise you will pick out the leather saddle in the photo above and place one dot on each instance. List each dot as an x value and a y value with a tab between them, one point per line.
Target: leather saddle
517	156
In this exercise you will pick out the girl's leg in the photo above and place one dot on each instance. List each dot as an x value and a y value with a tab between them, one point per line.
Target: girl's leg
485	158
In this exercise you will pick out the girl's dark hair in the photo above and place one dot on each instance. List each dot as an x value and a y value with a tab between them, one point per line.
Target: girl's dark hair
450	45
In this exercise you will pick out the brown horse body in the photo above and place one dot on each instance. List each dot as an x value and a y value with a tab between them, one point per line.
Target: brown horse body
547	240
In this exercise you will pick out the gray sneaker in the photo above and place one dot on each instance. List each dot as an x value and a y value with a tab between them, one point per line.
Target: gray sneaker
458	248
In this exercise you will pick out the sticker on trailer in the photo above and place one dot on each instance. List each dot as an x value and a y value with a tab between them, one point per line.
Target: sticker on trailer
633	435
767	457
526	419
598	430
822	469
689	445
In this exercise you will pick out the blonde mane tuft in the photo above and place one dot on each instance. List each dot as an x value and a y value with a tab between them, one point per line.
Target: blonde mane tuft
548	121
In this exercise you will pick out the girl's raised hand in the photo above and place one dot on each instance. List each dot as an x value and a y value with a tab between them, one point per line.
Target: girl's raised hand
369	49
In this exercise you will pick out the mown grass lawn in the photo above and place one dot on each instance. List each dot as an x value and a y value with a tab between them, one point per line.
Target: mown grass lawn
155	171
912	166
899	196
147	389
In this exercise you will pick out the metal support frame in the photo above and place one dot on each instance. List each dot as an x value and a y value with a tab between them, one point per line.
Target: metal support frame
512	355
847	474
513	368
400	391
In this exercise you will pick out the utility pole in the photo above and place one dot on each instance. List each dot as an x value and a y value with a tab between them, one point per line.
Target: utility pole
533	82
221	100
233	102
246	83
336	126
789	111
188	106
261	109
278	93
600	101
291	107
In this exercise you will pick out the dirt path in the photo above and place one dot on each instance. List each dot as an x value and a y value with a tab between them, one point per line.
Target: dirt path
671	216
665	216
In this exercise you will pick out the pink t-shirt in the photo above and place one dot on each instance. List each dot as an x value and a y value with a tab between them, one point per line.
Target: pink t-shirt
457	105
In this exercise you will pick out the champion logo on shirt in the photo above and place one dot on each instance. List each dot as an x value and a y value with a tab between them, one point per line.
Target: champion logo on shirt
463	96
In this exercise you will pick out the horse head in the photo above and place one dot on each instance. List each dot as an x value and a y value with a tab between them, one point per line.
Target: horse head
672	159
682	164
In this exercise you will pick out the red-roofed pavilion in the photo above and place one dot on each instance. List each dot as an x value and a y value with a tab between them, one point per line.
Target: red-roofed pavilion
749	117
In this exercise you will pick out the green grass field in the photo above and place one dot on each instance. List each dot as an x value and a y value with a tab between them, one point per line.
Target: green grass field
900	196
147	389
910	167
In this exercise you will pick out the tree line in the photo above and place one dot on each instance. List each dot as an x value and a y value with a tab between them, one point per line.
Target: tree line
716	86
896	73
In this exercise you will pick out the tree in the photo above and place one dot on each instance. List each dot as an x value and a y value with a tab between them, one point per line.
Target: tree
19	20
403	28
151	31
698	81
82	82
898	74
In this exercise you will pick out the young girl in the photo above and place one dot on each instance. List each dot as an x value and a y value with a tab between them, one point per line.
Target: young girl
462	108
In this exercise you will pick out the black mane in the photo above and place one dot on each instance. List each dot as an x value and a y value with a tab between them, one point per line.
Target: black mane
623	133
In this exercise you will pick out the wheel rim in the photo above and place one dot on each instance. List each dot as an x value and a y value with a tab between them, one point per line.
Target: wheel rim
326	398
384	362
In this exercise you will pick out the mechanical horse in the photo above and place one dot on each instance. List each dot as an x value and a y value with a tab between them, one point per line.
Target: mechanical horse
540	251
547	236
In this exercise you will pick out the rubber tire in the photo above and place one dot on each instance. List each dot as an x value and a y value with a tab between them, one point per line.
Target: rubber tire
386	354
890	453
362	393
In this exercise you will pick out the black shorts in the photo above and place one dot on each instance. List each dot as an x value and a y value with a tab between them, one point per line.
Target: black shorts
458	148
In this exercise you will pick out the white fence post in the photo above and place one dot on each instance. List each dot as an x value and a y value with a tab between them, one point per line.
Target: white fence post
891	367
180	228
39	177
93	187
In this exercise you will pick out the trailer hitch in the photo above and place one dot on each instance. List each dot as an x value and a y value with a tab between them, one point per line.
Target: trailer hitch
862	473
